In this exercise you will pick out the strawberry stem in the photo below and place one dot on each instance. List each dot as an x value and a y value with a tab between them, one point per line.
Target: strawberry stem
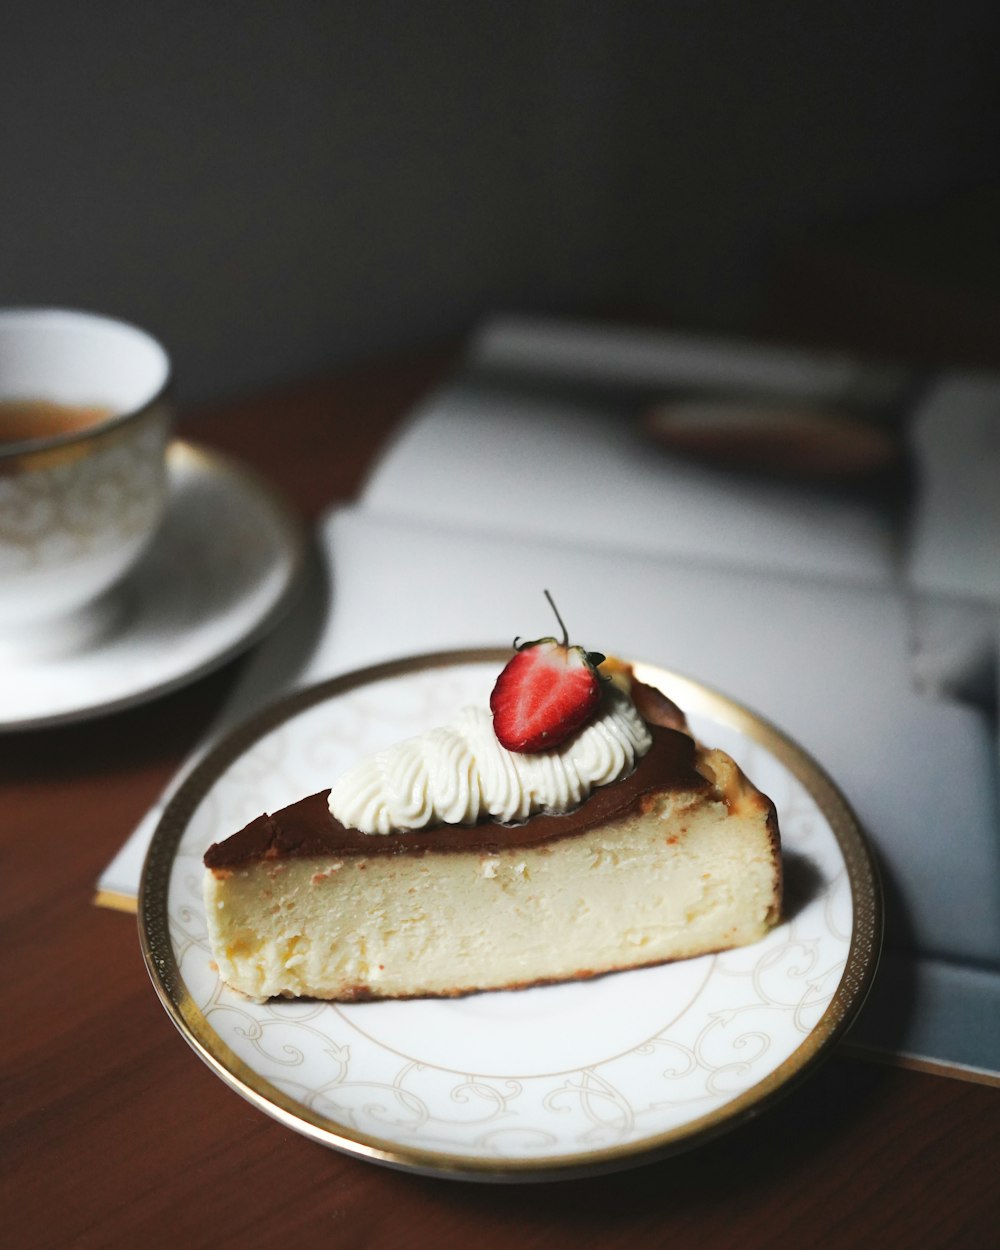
552	605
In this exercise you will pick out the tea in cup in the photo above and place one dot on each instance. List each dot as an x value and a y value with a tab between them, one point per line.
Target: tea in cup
85	420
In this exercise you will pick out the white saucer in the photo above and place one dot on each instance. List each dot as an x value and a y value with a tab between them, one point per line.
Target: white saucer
217	576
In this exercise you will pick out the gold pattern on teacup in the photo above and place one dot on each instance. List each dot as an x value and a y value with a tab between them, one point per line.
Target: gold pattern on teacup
93	494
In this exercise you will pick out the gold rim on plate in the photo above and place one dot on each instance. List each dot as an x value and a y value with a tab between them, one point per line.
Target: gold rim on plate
696	699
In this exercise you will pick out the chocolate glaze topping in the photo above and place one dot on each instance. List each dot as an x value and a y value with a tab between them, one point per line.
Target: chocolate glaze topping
306	828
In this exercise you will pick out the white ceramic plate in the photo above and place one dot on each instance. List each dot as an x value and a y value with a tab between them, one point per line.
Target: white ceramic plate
539	1083
216	577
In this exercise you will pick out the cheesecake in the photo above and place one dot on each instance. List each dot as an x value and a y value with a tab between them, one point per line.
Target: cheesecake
662	851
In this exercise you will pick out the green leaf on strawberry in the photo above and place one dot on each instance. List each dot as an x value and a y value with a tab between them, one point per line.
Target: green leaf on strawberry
546	692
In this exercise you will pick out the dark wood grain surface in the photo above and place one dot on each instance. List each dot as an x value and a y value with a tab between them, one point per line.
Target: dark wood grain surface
114	1134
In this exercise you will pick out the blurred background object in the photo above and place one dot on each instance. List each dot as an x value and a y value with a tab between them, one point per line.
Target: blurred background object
277	189
919	283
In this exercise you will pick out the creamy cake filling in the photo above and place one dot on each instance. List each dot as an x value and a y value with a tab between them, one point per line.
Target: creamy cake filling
399	925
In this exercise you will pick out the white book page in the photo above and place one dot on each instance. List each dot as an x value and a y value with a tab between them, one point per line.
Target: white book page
540	436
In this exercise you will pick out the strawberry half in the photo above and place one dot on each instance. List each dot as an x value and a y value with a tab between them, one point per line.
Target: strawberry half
547	690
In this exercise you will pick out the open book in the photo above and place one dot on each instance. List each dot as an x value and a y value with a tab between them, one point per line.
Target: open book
527	471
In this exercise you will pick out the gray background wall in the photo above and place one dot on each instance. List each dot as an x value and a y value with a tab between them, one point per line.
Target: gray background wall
276	188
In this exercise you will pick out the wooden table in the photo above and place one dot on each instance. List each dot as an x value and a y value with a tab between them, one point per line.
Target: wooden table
114	1134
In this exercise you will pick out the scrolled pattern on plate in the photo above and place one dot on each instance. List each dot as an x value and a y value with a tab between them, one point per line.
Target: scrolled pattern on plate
554	1078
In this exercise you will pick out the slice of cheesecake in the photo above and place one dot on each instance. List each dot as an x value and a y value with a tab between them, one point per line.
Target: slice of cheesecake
679	858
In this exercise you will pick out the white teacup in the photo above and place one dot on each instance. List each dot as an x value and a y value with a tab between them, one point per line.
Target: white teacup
85	418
